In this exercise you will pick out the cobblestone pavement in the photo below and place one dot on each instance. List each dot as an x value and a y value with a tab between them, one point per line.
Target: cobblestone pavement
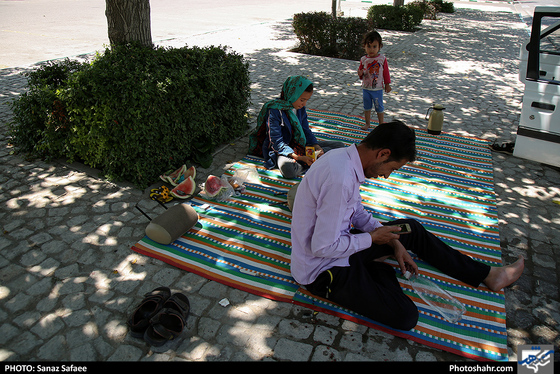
69	278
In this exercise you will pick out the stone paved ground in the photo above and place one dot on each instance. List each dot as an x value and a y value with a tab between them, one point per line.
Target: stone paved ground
69	279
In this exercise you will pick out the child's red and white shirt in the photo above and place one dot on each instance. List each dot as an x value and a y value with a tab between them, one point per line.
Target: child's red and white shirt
376	72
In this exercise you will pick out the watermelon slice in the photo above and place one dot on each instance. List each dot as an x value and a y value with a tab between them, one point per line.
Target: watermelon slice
171	176
184	175
185	189
213	186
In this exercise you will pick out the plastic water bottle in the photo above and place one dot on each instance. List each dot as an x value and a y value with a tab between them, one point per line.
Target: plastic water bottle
449	307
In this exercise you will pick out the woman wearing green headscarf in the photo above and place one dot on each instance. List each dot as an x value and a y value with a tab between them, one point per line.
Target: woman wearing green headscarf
283	132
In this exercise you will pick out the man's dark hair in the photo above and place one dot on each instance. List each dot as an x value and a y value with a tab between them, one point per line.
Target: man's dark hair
395	136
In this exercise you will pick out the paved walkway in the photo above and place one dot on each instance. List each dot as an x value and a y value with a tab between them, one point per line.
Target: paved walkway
69	279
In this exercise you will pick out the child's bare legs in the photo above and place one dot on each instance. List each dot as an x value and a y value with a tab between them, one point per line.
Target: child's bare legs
367	115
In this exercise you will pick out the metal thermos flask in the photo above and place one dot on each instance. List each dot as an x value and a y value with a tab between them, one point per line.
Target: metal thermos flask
435	122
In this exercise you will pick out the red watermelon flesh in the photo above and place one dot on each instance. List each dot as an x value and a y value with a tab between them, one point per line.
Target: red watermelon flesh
185	174
185	189
213	186
171	176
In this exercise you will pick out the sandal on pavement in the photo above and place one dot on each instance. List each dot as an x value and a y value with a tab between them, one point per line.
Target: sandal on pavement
505	147
161	194
169	322
149	307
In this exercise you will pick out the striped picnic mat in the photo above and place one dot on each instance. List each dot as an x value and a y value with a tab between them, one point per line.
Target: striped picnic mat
245	242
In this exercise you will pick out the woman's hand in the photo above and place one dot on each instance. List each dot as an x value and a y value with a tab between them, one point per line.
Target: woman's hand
318	150
305	159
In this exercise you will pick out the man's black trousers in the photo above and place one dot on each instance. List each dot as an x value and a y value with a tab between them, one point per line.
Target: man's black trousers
370	288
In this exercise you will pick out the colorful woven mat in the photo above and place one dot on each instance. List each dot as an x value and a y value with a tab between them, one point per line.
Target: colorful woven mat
245	242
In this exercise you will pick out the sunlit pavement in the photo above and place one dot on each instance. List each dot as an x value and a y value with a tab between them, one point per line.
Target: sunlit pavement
69	279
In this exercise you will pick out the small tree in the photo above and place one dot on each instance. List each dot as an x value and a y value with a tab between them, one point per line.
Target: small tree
129	21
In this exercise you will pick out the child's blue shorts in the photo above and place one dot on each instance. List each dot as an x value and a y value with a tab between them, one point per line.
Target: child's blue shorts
373	98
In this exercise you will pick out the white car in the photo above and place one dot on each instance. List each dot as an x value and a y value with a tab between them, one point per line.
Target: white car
538	134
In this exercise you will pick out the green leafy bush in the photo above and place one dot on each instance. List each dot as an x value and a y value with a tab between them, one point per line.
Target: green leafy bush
315	33
320	34
402	18
428	8
41	126
444	6
350	32
432	7
136	112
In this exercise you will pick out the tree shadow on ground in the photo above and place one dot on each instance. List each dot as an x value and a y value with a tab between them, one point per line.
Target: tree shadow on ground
68	287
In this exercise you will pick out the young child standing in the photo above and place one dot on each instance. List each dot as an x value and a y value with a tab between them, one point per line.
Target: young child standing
374	73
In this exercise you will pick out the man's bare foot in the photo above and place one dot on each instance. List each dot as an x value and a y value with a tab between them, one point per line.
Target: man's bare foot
365	127
502	276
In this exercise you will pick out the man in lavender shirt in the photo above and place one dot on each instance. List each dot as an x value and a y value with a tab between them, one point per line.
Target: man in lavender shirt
338	248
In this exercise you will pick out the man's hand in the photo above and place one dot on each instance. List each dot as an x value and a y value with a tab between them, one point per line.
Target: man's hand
404	259
389	235
384	234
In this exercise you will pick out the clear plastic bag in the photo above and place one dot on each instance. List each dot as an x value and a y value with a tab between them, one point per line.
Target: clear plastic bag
242	176
449	307
246	174
226	191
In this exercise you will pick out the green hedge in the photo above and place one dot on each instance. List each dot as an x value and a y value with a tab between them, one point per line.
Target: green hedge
41	127
431	8
135	112
401	18
443	6
320	34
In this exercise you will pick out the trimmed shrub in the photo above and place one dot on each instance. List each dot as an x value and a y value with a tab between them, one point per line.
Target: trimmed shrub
444	6
315	32
41	127
432	7
428	8
321	34
350	32
136	112
401	18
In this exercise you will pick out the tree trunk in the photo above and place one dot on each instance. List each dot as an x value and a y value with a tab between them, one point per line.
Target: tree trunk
129	21
334	8
398	2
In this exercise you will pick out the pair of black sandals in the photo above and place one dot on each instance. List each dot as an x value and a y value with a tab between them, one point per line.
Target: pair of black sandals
160	318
